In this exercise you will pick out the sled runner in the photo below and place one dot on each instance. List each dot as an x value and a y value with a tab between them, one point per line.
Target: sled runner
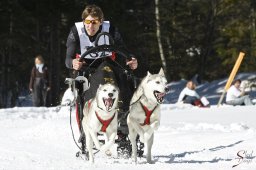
82	83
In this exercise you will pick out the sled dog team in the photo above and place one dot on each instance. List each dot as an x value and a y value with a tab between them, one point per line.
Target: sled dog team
100	115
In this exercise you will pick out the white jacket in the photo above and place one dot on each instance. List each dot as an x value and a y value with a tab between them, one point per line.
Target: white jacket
187	92
233	93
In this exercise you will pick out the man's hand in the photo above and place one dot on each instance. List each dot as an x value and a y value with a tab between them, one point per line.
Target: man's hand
133	63
77	65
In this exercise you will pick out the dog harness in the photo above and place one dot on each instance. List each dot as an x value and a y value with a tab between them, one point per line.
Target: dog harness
148	114
105	123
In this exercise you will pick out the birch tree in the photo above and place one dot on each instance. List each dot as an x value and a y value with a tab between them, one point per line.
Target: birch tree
158	36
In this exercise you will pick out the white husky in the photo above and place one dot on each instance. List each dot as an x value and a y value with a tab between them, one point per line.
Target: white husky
144	116
100	116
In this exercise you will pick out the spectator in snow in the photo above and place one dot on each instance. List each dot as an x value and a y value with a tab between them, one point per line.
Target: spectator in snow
190	96
39	83
236	96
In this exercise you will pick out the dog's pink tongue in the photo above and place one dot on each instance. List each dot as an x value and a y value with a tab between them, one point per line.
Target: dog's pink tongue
109	103
161	94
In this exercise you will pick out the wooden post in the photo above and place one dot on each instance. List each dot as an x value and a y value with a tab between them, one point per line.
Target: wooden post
232	75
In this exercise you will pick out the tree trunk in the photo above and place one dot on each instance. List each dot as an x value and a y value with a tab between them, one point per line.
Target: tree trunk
208	38
55	62
158	36
253	33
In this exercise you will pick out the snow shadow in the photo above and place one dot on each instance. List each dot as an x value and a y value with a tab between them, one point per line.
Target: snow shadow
171	158
223	147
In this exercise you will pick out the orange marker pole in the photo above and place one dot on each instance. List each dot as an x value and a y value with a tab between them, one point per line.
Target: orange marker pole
232	75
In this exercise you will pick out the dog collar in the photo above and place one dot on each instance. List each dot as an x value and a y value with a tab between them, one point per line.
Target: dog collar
105	123
148	114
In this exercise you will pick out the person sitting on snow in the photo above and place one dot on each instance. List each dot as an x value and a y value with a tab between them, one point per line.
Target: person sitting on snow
236	96
189	96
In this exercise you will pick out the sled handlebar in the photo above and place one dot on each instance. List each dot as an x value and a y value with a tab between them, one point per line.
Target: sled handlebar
104	49
104	34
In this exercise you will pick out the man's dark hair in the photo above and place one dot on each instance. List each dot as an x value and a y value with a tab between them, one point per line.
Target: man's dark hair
94	11
237	80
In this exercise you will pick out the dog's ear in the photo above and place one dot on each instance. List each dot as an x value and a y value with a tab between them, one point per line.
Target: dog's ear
161	72
99	88
148	73
139	91
137	94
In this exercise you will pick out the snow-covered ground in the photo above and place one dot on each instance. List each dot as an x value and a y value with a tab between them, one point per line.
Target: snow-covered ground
188	137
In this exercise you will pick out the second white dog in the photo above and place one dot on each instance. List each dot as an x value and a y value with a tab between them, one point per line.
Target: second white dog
144	116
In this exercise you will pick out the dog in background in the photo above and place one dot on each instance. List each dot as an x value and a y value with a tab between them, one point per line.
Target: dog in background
144	116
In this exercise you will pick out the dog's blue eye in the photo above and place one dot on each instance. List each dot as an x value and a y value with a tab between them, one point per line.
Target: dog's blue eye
104	90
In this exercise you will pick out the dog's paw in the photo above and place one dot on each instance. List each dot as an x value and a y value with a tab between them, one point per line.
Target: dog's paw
150	162
108	153
104	148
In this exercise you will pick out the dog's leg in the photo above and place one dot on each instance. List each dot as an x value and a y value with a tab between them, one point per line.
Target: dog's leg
149	144
154	126
89	145
94	137
132	136
109	142
106	136
103	147
136	126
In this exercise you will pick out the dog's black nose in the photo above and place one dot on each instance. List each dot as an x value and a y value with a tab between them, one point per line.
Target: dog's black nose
166	89
110	94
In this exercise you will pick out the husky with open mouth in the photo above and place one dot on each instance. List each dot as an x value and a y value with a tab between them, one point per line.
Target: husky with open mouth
144	116
100	116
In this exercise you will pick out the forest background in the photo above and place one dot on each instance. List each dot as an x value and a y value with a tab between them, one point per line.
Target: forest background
186	37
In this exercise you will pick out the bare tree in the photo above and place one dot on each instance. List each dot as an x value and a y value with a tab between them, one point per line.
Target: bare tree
253	31
158	36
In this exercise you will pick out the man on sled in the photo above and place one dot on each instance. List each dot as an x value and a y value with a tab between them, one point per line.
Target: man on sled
101	70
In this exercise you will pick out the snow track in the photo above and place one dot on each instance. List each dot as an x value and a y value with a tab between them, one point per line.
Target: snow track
188	138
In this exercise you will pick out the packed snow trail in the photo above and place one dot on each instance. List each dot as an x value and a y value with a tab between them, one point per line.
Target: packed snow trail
188	138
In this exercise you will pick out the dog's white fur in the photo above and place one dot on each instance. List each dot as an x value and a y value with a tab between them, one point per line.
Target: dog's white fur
145	94
92	125
68	97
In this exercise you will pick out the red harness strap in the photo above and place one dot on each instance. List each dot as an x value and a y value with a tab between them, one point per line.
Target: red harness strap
89	104
77	116
113	56
105	123
148	114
